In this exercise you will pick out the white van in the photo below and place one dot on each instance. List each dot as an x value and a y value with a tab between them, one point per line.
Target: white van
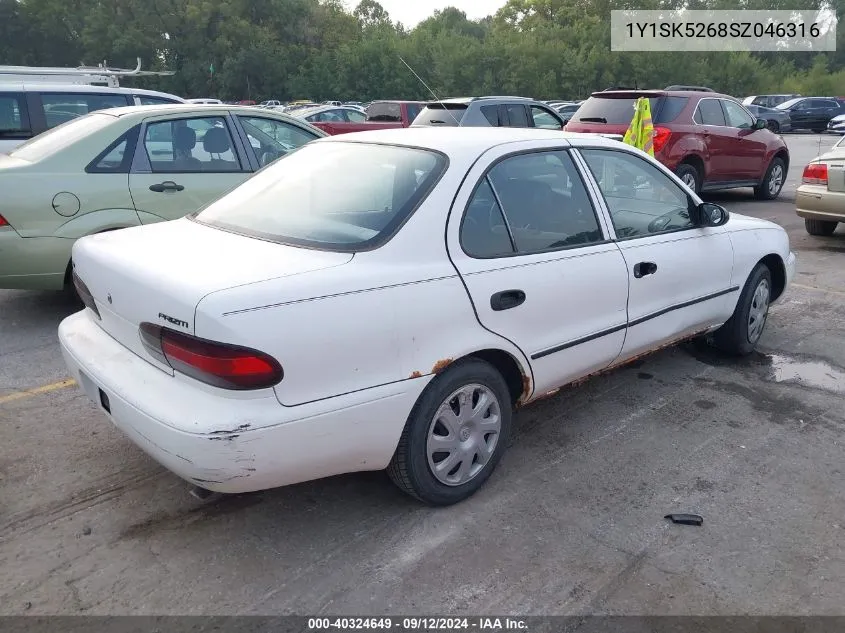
28	109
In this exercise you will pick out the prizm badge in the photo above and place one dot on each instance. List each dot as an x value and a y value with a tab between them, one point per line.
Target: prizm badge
170	319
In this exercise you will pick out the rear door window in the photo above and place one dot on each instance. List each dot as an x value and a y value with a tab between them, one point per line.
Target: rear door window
14	118
491	113
517	115
709	112
61	107
203	144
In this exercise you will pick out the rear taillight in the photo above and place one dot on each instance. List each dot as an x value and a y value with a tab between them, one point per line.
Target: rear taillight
661	135
85	295
3	221
815	174
218	364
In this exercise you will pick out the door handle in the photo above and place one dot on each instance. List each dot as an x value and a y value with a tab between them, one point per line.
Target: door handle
167	185
506	300
644	268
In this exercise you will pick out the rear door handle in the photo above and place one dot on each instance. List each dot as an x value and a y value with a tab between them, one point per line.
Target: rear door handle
644	268
167	185
506	300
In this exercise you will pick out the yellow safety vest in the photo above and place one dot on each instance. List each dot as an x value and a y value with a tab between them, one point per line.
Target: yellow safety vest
640	133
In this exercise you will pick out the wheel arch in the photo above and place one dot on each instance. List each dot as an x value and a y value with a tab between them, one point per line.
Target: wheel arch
777	268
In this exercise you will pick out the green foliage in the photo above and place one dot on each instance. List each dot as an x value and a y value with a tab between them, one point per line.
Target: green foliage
297	49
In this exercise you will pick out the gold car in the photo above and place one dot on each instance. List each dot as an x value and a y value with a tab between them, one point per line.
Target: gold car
125	167
820	199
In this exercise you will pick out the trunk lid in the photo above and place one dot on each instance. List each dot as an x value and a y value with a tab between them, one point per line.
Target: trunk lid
159	273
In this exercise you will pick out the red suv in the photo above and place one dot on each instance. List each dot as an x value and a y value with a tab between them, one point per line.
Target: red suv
709	139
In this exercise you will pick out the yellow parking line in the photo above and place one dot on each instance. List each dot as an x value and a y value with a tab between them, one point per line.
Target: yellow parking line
818	289
28	393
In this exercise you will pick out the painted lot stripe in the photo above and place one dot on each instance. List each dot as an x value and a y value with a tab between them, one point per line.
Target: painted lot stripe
18	395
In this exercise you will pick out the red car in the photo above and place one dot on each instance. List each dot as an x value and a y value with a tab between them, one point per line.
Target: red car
708	139
381	115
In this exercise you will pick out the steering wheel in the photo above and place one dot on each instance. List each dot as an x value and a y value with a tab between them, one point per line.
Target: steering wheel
661	223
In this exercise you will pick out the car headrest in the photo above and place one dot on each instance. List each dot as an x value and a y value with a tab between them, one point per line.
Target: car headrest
185	139
216	141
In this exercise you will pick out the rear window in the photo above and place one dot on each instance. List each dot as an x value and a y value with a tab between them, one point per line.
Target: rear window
385	112
620	110
374	189
61	137
441	114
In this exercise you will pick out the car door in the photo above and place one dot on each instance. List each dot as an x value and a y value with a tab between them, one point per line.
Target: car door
536	260
717	138
268	139
679	274
184	162
748	150
545	118
802	114
826	110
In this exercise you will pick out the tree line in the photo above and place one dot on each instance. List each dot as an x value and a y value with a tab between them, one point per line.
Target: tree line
315	49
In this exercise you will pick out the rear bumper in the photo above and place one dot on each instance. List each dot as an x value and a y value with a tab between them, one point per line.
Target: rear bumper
228	443
816	202
33	263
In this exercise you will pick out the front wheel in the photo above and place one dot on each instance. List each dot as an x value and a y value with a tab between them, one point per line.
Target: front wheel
740	335
773	181
455	435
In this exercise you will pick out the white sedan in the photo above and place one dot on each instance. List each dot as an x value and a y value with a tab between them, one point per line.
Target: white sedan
383	300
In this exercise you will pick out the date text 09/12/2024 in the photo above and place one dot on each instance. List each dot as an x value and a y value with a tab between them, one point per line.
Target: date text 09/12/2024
418	624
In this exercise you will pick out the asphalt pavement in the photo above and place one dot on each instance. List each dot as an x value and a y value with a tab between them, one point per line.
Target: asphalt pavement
571	522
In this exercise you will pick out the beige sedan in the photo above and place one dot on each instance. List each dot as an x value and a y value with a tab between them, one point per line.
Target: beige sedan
820	199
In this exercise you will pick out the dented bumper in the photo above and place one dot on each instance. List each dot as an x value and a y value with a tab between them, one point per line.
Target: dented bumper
233	442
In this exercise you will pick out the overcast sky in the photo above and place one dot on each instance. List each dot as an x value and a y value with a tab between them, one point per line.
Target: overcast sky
412	12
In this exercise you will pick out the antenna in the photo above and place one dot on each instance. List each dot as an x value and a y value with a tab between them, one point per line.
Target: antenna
436	98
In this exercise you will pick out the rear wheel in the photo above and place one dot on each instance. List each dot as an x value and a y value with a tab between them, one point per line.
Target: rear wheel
773	181
818	130
820	227
740	335
455	435
690	176
773	125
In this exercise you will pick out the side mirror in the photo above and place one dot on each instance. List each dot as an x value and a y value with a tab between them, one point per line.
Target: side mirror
710	214
760	124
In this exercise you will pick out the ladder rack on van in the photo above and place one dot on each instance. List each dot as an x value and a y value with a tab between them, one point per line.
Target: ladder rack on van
82	75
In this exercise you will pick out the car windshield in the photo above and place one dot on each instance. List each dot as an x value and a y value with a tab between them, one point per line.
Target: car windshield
787	104
330	195
61	137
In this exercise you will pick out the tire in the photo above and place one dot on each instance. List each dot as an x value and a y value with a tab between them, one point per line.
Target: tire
818	130
820	227
773	181
414	464
773	125
690	176
740	335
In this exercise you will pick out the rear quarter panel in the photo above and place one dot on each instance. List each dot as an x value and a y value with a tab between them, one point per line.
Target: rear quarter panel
352	328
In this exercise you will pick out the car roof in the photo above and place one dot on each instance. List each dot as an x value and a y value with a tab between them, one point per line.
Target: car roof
176	108
79	88
455	139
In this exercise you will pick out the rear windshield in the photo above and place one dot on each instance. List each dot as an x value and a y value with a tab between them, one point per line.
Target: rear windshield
61	137
441	114
330	195
385	112
620	110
